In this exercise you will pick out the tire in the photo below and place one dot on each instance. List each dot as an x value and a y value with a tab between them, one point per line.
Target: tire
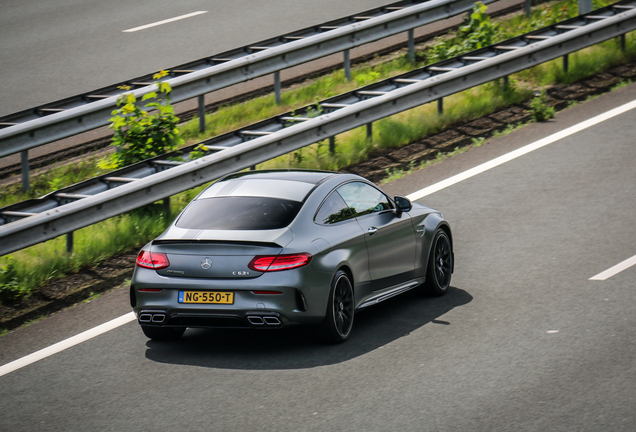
163	333
440	265
338	322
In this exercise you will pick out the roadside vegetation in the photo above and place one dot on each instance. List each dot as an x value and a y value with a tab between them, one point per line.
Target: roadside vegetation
28	269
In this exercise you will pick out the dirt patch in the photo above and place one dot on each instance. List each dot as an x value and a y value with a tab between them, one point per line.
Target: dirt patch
603	82
572	92
511	116
414	153
482	127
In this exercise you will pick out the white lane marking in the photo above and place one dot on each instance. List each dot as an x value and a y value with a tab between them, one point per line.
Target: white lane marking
17	364
67	343
520	152
615	270
143	27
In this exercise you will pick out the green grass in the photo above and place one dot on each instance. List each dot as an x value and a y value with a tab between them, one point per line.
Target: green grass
403	128
35	266
49	181
231	117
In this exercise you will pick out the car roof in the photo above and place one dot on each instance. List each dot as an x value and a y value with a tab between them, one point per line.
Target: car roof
313	177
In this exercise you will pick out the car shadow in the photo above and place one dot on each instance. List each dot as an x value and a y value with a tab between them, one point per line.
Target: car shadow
299	347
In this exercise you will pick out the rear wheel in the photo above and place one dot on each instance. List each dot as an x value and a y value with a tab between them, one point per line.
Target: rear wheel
340	310
440	265
163	333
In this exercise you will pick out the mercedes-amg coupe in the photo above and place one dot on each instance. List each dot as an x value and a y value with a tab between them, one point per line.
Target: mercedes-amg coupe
268	249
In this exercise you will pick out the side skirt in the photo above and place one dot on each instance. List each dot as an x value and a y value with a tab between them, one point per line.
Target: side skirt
391	292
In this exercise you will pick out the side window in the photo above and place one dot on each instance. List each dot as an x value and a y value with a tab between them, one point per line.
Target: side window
333	210
364	199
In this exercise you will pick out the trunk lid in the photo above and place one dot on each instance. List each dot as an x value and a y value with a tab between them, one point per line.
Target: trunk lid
212	258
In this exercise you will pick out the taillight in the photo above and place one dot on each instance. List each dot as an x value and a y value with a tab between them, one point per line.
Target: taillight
155	261
269	263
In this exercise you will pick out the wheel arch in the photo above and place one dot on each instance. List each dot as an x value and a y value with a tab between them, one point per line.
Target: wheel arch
436	224
345	268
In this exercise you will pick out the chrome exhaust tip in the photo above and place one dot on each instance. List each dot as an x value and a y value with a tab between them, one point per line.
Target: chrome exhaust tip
270	320
158	318
145	317
255	320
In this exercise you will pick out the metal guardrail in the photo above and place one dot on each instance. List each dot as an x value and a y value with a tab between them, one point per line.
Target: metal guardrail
152	166
160	163
32	128
423	86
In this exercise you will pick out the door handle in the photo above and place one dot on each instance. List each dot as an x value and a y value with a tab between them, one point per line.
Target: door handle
372	230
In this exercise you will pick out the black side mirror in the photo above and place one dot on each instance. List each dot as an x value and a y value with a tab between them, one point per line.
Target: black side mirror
402	205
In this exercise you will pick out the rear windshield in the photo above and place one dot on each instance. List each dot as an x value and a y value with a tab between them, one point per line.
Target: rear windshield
239	213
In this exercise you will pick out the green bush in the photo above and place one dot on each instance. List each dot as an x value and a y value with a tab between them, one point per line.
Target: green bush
139	134
477	31
540	109
10	289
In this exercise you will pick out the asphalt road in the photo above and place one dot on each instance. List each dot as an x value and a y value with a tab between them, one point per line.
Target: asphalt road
59	48
523	340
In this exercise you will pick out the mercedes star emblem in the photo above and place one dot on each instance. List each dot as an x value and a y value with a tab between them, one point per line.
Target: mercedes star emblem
206	263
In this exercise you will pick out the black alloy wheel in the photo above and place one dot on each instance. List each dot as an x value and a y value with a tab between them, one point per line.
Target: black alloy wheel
440	265
340	311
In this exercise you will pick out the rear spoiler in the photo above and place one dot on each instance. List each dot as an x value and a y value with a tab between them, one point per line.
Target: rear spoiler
219	242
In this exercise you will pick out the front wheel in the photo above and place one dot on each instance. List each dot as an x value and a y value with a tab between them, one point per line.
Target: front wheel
340	310
440	265
163	333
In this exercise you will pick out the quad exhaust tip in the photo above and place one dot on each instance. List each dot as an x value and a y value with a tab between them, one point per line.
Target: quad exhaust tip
147	317
263	320
270	320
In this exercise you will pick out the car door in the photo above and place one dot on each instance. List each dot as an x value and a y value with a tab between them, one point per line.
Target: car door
390	239
345	237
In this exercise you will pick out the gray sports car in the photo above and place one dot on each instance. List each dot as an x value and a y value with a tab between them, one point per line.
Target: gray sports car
267	249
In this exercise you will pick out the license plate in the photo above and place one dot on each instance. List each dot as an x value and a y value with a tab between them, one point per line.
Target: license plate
206	297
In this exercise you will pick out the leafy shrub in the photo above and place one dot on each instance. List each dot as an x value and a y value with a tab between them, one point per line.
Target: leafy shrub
477	31
198	152
10	289
139	134
540	109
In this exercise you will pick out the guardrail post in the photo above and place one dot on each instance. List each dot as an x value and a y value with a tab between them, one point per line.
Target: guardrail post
623	42
506	82
166	207
277	87
332	145
411	46
370	132
528	7
69	243
585	6
440	106
24	161
566	63
201	99
347	65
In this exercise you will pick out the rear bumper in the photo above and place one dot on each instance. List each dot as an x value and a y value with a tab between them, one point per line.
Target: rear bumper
301	298
208	319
